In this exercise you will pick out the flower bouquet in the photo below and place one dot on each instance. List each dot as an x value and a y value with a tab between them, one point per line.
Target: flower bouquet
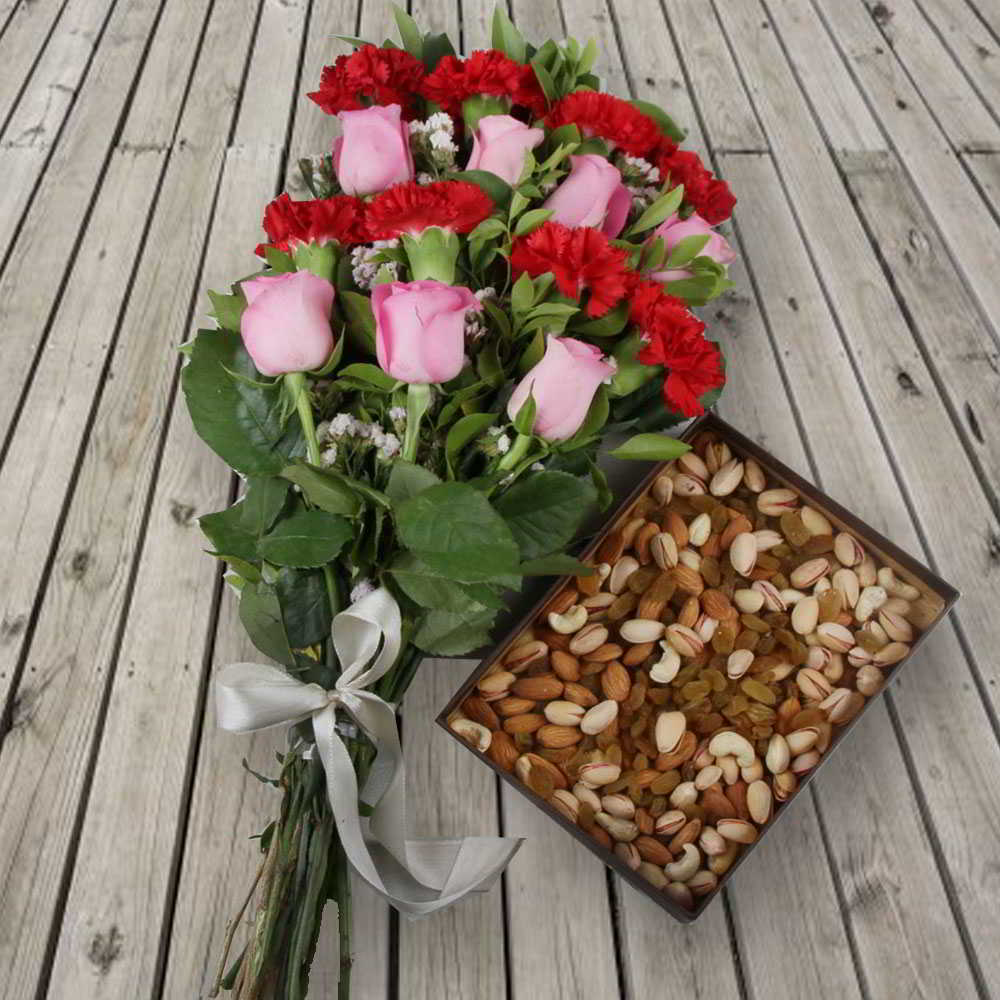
496	270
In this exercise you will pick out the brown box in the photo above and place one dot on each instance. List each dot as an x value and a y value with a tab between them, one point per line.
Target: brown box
885	552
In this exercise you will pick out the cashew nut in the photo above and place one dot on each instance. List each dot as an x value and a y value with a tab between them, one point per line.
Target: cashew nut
570	621
686	867
726	743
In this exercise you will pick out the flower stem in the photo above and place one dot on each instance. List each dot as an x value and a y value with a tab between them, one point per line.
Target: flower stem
517	451
295	383
418	401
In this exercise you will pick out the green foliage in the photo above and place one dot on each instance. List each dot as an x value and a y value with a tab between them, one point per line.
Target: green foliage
544	511
449	633
305	605
651	448
360	320
407	480
322	490
260	614
305	539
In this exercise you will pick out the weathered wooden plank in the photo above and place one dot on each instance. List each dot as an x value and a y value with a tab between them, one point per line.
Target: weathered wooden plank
721	97
73	652
477	24
970	42
905	935
433	15
23	38
539	19
30	283
985	167
960	113
924	445
952	199
958	343
587	19
459	950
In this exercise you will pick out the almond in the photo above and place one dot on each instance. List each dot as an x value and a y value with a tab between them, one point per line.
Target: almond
615	681
480	710
676	526
565	665
502	751
716	604
684	752
529	723
534	762
579	695
557	737
687	579
513	706
652	850
543	687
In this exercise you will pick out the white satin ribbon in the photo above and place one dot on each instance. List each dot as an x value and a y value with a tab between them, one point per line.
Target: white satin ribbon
416	877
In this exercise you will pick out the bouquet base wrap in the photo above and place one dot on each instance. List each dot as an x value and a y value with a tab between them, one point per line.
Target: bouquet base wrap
417	877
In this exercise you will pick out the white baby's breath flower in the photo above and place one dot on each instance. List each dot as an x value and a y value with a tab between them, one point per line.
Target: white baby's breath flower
537	467
441	122
425	178
503	444
389	446
342	425
361	589
489	292
397	413
329	456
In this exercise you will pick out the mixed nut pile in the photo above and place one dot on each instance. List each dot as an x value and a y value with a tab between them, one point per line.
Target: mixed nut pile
670	702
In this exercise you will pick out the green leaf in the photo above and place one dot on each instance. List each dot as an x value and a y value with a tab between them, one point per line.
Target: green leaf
260	614
407	480
498	190
228	309
530	221
556	565
499	317
305	606
659	211
445	633
371	374
506	37
609	325
651	448
667	125
545	80
524	421
413	41
322	490
262	503
544	511
597	476
453	529
522	294
687	249
463	431
307	538
488	229
431	590
229	535
435	47
240	421
360	320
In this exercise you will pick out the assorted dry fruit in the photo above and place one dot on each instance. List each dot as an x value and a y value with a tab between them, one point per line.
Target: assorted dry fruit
669	703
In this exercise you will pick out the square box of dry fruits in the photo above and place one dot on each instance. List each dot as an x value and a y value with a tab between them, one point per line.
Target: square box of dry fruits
668	707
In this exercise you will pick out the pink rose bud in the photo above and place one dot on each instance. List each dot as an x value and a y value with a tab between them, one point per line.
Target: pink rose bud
499	144
563	385
592	195
420	329
674	230
286	324
374	151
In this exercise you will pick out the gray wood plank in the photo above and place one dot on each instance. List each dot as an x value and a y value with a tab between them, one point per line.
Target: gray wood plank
72	657
458	951
985	168
435	15
477	24
906	934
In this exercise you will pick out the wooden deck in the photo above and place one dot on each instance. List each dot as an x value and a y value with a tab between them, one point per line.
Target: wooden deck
138	141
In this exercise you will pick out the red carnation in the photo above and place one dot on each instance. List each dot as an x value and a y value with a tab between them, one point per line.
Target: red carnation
287	222
707	194
579	259
485	72
410	208
383	76
675	339
609	117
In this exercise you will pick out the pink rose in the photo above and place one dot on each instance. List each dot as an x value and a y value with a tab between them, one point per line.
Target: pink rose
499	144
420	329
286	324
592	195
374	151
674	230
562	384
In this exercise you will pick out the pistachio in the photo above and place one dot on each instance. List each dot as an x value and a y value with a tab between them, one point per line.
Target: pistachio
759	801
869	601
653	875
707	776
688	486
496	684
749	601
755	772
563	713
639	630
699	530
596	719
711	841
663	549
684	640
527	654
842	705
775	502
684	795
815	522
848	549
721	863
846	581
802	740
663	490
584	794
813	684
589	638
897	628
727	478
738	663
618	805
743	553
785	785
739	830
753	476
680	894
599	773
570	621
869	680
835	636
772	596
890	654
729	767
628	854
567	803
858	656
703	883
778	755
670	822
670	727
768	539
620	573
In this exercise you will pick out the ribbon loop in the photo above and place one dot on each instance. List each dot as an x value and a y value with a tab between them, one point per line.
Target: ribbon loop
416	877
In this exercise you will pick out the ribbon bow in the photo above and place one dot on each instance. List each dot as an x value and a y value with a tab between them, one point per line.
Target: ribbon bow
416	877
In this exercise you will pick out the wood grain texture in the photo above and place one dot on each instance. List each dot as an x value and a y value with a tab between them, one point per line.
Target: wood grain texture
460	950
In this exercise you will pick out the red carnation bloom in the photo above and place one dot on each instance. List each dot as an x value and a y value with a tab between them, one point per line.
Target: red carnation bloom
609	117
288	222
707	194
485	72
579	259
383	76
675	339
410	208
